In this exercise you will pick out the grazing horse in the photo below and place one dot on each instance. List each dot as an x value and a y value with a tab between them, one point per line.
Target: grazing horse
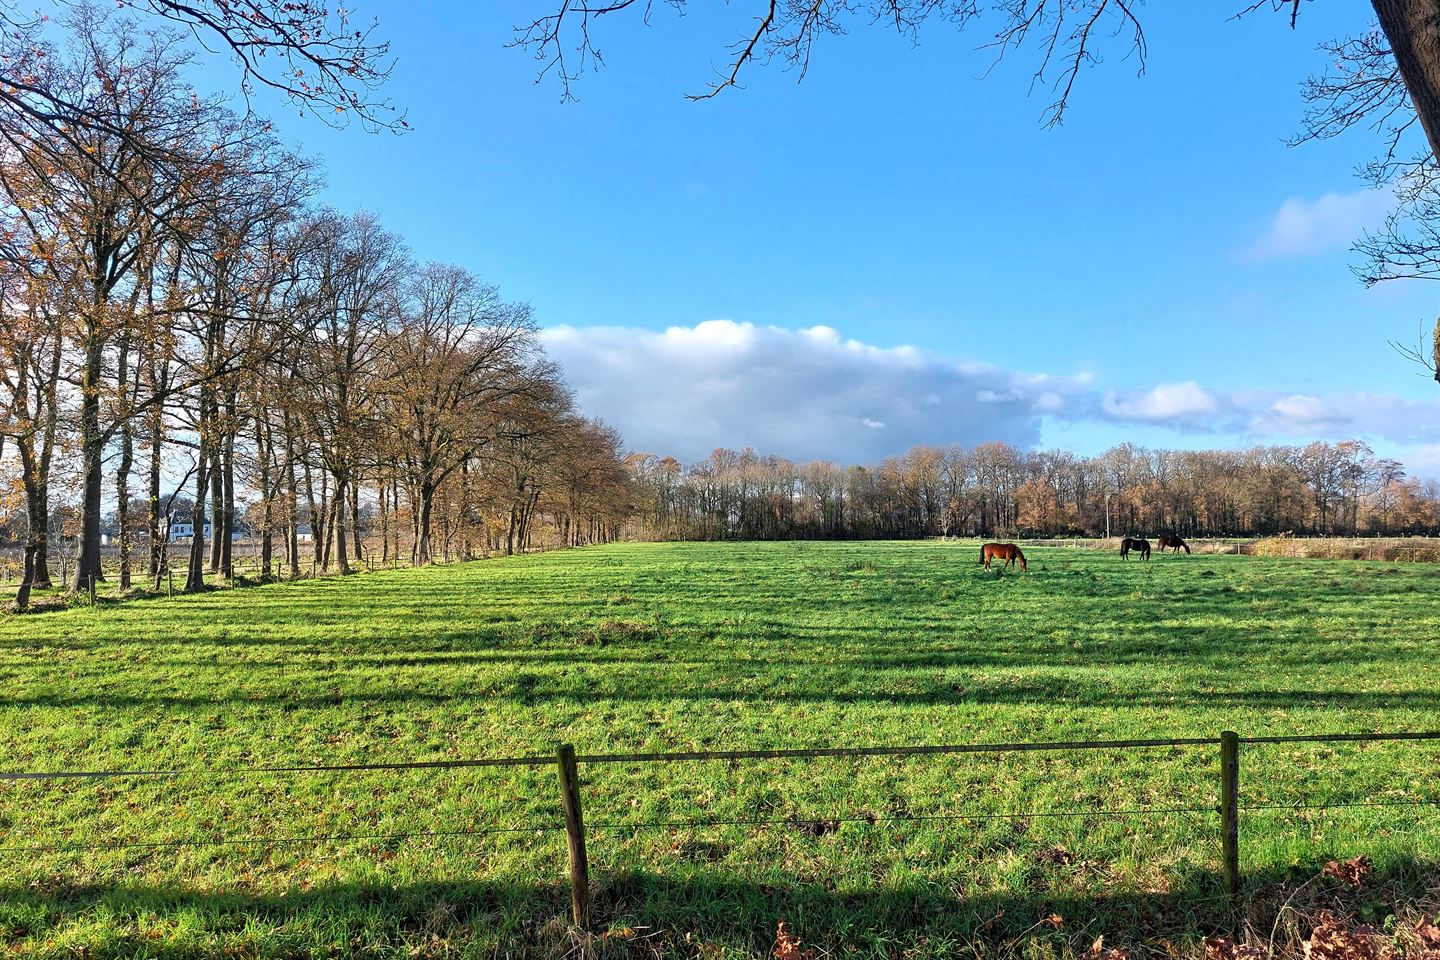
1002	551
1176	542
1134	543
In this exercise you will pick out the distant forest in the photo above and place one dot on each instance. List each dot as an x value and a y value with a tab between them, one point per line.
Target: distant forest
995	489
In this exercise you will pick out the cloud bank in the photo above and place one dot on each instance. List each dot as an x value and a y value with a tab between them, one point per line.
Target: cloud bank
807	393
813	394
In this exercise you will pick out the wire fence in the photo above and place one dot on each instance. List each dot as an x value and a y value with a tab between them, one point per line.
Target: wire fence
568	764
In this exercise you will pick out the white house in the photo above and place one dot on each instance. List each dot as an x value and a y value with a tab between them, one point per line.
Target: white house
185	531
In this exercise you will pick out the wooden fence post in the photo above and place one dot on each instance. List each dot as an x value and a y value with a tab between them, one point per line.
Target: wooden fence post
1230	809
575	833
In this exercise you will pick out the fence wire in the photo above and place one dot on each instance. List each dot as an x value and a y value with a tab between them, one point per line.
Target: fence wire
276	841
701	756
873	819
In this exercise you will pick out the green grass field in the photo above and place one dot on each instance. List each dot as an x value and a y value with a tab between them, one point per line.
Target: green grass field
707	646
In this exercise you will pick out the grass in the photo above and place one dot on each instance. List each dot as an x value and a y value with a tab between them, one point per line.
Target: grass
707	646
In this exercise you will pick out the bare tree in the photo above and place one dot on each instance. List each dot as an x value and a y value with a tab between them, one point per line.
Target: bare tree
477	351
313	54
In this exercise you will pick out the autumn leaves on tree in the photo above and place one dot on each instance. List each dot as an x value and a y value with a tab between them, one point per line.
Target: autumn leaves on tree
171	300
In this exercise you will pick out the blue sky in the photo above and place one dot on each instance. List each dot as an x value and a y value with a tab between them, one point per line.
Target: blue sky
1161	269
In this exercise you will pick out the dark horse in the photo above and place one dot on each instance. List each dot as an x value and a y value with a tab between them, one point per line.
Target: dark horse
1002	551
1134	543
1176	542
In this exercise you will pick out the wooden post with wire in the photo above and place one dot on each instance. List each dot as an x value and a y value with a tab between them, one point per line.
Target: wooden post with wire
1230	810
575	833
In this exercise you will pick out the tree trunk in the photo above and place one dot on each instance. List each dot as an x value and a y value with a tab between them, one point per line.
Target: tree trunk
355	519
127	462
384	525
37	517
292	494
122	502
92	448
217	505
152	520
422	539
224	531
265	449
195	571
338	503
1413	29
317	511
27	578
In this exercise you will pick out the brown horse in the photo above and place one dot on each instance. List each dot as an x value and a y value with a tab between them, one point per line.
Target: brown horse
1176	542
1134	543
1002	551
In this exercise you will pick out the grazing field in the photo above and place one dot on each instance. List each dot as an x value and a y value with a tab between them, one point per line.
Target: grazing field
708	646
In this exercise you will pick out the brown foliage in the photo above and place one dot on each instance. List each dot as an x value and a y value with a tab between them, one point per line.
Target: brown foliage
1054	855
789	947
1224	948
1353	871
1336	939
1098	951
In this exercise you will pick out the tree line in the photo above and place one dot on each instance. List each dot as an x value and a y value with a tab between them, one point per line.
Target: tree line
997	490
178	321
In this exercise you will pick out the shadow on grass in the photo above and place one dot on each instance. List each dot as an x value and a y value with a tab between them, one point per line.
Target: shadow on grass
526	690
651	913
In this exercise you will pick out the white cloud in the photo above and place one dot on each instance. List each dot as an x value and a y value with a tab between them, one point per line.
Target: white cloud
1349	413
1328	223
812	393
1302	410
807	393
1168	401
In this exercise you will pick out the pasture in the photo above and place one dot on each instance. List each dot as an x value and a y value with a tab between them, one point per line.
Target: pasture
663	647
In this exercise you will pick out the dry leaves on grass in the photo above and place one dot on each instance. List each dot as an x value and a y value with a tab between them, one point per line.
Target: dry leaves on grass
1056	855
1427	936
1353	871
1098	951
1223	948
789	947
1335	939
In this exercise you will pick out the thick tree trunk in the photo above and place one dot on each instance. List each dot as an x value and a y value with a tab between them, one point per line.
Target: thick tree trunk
422	537
27	578
92	448
37	518
1413	29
